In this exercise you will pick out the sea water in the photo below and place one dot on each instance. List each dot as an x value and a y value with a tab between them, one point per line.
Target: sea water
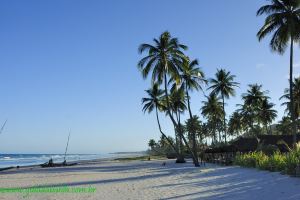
9	160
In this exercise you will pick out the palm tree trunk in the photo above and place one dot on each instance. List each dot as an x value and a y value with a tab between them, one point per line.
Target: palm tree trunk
172	119
188	100
170	142
180	137
224	119
292	111
194	142
215	135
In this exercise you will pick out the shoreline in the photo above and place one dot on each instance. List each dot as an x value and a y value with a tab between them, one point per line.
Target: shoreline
115	155
80	162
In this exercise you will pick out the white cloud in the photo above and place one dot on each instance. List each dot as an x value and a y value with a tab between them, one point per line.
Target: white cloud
261	65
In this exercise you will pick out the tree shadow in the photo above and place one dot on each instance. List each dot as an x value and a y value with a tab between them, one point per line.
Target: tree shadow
236	183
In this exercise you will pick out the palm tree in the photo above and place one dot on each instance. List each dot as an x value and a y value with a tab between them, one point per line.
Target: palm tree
284	20
153	102
250	110
266	113
248	117
254	95
212	111
192	78
152	144
235	125
256	109
223	85
192	127
164	60
284	126
178	106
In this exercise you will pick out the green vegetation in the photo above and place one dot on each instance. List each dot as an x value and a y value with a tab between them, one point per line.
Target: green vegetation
275	161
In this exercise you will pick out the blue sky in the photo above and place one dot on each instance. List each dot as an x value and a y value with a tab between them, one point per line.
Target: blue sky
70	64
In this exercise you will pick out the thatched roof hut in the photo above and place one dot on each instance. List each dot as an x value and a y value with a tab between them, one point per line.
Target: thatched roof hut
247	144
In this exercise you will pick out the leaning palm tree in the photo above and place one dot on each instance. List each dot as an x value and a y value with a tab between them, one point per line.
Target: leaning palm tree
284	21
178	106
153	102
192	78
212	111
223	85
163	61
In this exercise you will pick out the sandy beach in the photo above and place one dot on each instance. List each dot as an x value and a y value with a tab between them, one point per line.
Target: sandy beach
152	180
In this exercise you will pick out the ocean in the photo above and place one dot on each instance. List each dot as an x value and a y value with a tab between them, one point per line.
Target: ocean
10	160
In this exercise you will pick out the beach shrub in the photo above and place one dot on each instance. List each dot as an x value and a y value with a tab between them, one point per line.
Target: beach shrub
277	162
292	161
268	149
281	162
246	160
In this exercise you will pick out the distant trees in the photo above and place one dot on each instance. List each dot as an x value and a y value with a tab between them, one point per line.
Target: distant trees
255	111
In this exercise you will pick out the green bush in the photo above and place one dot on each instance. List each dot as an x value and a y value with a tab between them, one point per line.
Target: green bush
276	162
268	149
292	161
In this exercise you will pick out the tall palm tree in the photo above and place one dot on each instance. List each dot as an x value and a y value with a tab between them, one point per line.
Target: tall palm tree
164	59
191	78
223	85
212	111
266	113
284	21
153	102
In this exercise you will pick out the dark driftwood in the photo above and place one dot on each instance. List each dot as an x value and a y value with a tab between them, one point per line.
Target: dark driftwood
6	168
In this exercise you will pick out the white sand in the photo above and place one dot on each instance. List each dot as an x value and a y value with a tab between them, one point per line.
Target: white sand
151	180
